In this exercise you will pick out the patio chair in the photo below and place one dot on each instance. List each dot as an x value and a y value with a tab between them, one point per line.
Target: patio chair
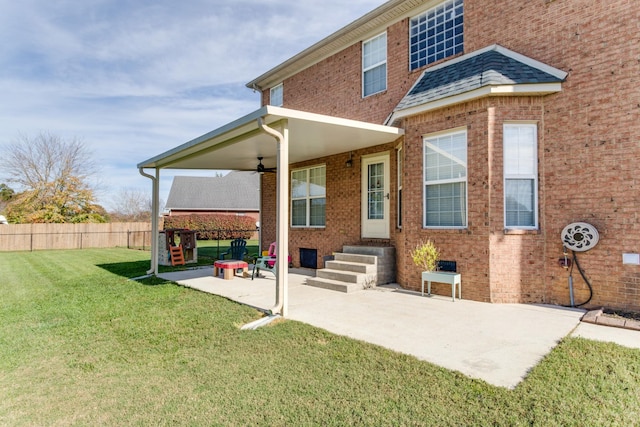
238	250
267	262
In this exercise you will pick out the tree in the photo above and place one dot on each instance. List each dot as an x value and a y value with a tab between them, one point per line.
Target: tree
6	194
54	178
131	205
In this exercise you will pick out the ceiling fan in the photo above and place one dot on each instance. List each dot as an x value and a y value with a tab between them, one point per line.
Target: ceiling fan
262	168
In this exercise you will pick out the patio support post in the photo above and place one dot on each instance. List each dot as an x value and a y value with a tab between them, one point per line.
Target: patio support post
282	214
155	198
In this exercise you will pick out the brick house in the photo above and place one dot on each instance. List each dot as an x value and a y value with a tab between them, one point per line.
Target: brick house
236	193
493	125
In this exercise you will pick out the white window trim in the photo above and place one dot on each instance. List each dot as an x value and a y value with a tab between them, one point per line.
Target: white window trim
444	181
307	198
274	89
378	64
533	176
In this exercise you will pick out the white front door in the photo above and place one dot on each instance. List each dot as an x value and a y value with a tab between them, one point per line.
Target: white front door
375	196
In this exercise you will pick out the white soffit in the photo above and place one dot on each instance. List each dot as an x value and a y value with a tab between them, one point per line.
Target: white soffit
237	145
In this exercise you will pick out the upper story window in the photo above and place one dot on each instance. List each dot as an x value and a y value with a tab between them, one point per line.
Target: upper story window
445	180
520	176
308	197
436	34
276	96
374	65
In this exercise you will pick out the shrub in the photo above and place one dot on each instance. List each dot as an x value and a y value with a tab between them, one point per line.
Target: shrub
426	256
212	227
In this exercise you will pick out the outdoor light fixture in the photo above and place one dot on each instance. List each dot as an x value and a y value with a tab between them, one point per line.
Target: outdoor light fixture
349	162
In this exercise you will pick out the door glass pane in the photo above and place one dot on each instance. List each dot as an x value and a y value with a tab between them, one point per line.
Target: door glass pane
376	190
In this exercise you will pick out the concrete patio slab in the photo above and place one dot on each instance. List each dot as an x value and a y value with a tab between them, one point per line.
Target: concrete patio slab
498	343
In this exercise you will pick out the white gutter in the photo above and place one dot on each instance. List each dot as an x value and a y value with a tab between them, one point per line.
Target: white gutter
282	214
154	218
536	89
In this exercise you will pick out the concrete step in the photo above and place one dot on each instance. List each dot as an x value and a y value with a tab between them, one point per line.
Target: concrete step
356	267
334	285
386	260
359	258
343	276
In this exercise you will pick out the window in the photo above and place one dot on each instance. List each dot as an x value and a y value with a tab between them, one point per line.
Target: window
308	197
276	96
374	65
445	180
400	187
436	34
520	176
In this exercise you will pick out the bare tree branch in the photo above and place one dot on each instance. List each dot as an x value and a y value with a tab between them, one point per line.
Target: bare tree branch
53	174
46	158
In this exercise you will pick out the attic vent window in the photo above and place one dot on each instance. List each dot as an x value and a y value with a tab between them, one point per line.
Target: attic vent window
436	34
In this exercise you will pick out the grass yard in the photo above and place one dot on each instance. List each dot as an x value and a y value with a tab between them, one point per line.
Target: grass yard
209	250
82	345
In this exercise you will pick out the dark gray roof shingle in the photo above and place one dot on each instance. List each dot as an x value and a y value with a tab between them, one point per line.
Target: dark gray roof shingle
236	191
488	68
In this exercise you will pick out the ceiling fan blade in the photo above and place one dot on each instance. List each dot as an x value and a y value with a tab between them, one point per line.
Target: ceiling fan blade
262	168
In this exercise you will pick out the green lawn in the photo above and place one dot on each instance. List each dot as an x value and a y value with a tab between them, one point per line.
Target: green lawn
209	250
82	345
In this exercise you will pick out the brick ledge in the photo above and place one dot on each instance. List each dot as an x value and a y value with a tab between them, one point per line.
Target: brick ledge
597	317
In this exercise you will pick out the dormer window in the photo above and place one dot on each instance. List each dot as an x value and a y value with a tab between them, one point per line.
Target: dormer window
436	34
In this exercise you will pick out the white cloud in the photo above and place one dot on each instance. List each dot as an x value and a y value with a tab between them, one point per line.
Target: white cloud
134	79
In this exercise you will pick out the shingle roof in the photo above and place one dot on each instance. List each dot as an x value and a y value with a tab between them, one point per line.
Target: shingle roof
236	191
493	66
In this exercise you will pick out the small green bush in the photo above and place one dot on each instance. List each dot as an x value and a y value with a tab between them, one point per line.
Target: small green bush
426	256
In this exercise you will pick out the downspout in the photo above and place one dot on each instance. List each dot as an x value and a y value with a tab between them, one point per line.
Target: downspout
282	213
154	218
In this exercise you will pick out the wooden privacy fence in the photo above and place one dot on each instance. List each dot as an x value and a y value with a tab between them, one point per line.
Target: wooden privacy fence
32	237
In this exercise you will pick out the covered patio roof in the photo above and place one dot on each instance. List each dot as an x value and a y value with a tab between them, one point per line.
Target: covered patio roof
238	144
280	136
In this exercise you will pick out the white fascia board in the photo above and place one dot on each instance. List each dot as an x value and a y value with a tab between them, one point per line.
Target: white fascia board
497	90
161	159
532	62
247	127
285	113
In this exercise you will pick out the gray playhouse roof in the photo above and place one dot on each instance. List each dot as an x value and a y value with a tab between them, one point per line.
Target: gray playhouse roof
236	191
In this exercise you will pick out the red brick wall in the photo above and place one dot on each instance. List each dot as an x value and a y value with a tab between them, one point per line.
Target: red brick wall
589	147
343	207
268	210
334	86
591	132
468	247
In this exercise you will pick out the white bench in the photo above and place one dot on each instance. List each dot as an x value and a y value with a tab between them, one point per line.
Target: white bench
443	277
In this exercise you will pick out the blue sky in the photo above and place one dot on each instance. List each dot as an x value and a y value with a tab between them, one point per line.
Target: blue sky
133	79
